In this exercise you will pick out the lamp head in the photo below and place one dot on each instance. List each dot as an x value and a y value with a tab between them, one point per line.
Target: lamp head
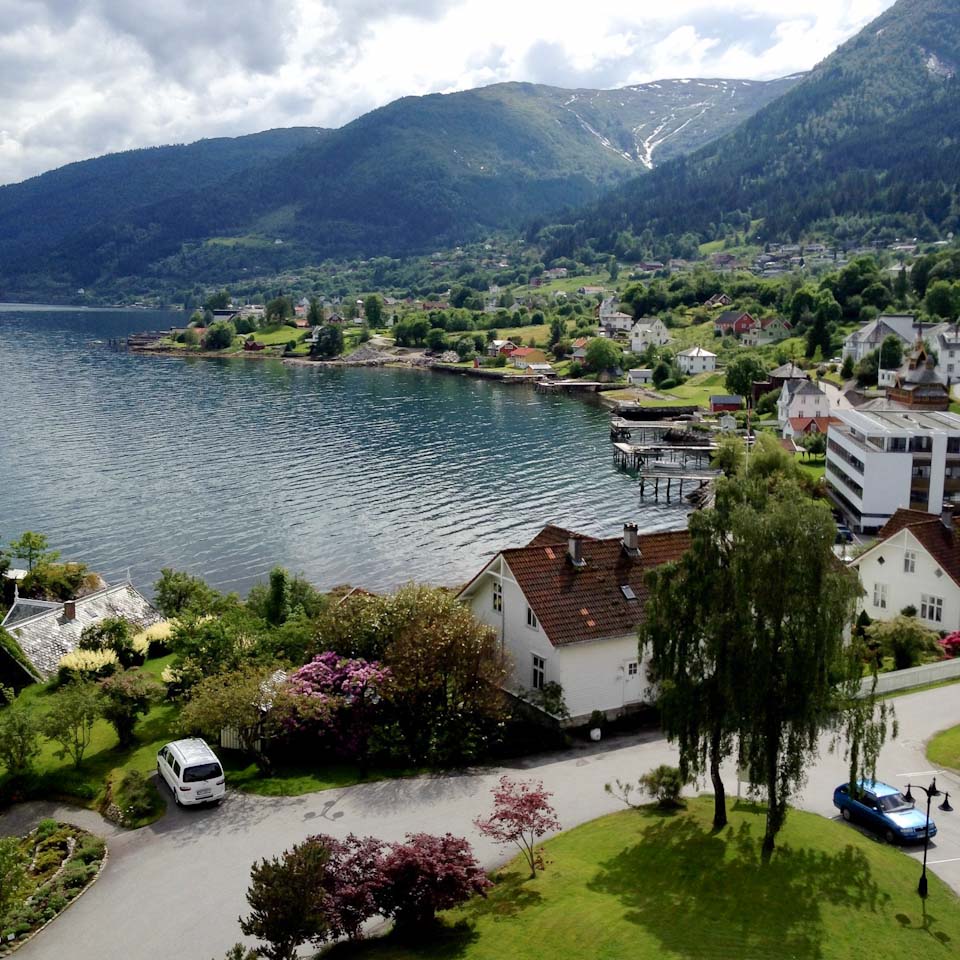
933	791
945	806
908	796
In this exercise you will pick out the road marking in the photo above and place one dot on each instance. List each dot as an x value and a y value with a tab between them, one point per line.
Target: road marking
930	863
920	773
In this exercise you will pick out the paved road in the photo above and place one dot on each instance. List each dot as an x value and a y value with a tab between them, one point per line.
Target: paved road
177	888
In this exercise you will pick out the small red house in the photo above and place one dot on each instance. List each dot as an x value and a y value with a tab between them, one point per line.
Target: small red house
721	403
737	322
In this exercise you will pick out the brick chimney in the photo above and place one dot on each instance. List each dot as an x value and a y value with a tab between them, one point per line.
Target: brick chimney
70	610
575	552
631	542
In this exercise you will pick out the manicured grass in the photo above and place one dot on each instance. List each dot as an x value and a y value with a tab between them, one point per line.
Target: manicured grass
295	781
279	337
647	885
698	389
56	777
814	467
944	748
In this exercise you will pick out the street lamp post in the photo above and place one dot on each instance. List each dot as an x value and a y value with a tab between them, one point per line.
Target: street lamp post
931	792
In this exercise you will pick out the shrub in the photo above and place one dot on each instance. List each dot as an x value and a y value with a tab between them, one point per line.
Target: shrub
667	384
665	783
19	735
46	828
79	665
424	875
89	849
951	644
136	797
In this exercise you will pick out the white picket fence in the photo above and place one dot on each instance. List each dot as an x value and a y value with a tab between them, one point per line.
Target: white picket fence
913	676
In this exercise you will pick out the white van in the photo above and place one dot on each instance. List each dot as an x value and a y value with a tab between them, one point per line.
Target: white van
192	772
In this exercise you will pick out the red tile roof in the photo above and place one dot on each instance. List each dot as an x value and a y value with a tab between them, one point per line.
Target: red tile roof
942	544
802	424
576	604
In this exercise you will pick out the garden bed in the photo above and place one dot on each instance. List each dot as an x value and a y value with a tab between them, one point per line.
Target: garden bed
62	861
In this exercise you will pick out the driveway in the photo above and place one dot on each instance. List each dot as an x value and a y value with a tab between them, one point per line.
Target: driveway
177	888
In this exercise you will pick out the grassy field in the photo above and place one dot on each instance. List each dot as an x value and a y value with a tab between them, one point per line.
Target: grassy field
646	885
103	758
814	467
944	748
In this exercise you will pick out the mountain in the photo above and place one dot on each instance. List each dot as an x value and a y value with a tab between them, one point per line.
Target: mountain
415	174
867	141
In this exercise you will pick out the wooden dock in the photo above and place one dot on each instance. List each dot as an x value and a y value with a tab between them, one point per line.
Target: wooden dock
573	386
668	467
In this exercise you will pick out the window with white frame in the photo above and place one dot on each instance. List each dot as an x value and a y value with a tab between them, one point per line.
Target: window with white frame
909	561
497	596
931	608
539	672
531	619
880	595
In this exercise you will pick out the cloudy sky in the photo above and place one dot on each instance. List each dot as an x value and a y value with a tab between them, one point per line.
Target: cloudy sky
79	78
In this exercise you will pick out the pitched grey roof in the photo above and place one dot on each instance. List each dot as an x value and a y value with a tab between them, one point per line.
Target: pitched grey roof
789	371
899	325
47	635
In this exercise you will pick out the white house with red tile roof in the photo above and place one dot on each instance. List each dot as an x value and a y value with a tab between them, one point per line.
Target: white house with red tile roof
915	561
567	609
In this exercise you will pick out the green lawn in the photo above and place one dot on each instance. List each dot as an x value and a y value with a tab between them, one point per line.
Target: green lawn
294	781
645	885
698	389
814	467
277	337
103	758
944	748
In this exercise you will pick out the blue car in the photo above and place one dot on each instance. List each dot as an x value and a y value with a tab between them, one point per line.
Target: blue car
883	809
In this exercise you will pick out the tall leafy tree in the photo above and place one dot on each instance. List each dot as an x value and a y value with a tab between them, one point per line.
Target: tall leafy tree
780	558
34	548
693	639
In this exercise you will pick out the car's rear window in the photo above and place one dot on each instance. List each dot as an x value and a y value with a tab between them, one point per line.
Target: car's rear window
203	771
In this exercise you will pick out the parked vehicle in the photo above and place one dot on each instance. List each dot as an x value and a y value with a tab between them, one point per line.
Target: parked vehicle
882	809
192	772
844	533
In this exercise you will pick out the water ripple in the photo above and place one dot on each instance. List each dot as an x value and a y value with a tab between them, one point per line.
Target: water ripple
225	468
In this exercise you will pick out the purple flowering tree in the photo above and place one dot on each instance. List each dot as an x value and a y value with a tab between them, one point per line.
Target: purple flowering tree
338	698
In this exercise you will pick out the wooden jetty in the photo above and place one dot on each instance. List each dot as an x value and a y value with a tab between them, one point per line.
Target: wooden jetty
658	431
573	386
669	466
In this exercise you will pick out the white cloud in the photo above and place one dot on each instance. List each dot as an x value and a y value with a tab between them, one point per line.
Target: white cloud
80	78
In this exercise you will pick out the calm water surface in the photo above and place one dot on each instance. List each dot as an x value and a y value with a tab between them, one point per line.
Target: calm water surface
226	468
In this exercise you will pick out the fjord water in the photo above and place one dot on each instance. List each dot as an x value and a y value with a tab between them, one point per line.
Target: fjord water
226	468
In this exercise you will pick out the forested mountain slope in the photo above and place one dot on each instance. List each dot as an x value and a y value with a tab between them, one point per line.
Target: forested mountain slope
868	138
420	172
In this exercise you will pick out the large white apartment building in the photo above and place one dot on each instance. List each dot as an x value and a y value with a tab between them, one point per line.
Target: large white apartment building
882	461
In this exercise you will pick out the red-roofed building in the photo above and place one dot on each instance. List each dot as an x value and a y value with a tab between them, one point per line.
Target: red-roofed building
915	561
567	608
798	426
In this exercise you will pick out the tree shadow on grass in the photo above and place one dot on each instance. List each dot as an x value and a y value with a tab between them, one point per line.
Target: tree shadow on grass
705	894
442	941
510	896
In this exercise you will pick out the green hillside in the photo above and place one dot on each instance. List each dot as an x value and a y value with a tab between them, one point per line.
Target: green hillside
420	173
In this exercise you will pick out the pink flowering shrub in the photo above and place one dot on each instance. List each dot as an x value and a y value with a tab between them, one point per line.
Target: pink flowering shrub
951	644
337	698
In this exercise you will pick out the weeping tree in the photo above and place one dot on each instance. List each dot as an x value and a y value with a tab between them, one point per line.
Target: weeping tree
692	639
746	635
793	601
